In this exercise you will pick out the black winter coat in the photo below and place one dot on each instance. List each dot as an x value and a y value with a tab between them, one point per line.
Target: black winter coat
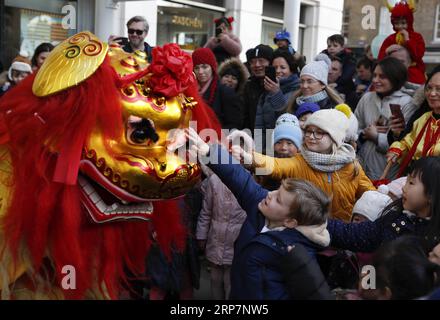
226	105
252	92
303	277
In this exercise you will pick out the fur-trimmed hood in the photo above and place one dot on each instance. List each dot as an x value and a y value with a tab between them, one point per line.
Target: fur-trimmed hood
238	65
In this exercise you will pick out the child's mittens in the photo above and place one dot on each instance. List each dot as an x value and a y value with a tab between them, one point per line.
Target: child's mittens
400	39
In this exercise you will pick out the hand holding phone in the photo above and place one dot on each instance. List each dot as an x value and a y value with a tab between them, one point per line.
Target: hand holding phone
122	41
218	31
396	111
397	123
270	72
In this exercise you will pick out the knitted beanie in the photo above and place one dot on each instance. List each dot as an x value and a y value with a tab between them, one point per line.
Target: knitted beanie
282	35
352	132
204	56
371	204
260	51
318	69
306	107
332	121
287	127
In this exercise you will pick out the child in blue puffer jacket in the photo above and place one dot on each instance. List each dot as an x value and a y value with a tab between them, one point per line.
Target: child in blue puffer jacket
295	214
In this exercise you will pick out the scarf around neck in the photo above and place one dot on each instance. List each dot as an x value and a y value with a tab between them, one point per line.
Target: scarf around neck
319	96
329	162
202	89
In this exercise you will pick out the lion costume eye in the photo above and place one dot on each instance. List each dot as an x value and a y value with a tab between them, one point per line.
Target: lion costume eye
141	131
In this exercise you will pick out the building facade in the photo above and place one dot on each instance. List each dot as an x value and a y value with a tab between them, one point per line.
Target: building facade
25	24
360	30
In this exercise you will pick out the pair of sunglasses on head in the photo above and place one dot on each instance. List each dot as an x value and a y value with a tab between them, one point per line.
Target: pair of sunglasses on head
138	32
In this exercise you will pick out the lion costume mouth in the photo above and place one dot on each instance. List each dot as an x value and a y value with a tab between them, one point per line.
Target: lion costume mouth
106	202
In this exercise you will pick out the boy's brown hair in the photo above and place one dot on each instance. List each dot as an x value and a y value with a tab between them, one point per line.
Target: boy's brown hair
337	38
310	205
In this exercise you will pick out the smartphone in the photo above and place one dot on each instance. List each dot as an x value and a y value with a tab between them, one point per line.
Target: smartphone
123	41
396	111
271	73
218	31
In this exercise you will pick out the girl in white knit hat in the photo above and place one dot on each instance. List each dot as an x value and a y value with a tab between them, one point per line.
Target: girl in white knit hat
325	159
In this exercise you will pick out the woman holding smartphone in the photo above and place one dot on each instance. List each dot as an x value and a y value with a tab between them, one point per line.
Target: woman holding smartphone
225	44
422	136
280	81
374	113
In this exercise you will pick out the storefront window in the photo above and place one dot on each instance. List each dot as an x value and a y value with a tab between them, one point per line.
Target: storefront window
189	27
29	23
269	29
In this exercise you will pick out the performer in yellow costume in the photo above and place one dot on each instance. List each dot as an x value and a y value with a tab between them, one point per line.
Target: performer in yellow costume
85	172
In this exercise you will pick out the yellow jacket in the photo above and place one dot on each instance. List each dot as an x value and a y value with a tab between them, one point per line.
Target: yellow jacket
403	146
341	185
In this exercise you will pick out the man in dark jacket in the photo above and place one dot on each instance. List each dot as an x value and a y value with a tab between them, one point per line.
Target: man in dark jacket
346	88
258	59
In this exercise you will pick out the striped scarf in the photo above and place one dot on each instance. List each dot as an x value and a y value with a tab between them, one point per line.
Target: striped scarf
321	95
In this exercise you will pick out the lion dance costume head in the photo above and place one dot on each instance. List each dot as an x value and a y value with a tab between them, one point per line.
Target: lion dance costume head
85	173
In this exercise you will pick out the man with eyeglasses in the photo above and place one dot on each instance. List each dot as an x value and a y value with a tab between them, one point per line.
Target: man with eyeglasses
137	28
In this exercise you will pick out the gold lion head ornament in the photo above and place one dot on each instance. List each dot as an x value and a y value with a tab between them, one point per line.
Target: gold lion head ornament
120	177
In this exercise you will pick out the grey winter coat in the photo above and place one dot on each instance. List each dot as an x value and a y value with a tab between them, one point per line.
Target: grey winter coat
369	109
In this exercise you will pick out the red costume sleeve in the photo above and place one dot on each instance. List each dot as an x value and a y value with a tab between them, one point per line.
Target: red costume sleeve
416	46
390	40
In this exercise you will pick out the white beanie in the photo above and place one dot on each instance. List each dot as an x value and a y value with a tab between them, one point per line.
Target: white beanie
352	132
318	69
332	121
371	204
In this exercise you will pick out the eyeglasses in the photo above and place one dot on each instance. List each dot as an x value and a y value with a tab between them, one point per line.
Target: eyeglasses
430	90
138	32
317	134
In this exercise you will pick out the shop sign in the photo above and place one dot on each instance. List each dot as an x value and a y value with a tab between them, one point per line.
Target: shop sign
187	22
